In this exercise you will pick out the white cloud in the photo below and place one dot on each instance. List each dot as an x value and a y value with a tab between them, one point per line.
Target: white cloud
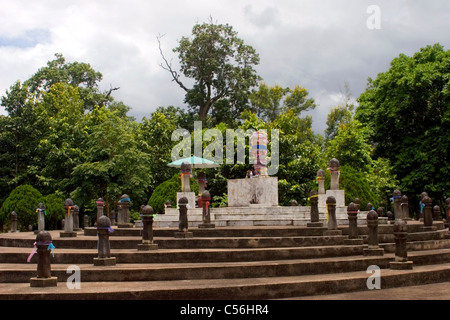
316	44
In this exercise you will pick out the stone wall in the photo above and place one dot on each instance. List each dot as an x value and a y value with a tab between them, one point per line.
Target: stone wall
258	191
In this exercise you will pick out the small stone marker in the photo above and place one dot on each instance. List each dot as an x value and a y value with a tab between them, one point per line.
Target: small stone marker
331	216
314	200
183	230
41	218
43	247
427	204
104	249
68	221
76	218
401	254
206	216
372	223
147	231
13	222
124	212
353	239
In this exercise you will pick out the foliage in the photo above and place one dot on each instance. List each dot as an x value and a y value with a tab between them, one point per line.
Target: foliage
54	205
221	66
407	109
23	200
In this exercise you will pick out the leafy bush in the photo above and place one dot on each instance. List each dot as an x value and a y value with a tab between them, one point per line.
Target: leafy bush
24	201
168	191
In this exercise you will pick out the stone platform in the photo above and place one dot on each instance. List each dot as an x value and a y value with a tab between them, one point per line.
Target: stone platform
226	263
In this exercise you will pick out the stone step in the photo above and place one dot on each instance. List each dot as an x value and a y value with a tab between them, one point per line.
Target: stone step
13	273
229	289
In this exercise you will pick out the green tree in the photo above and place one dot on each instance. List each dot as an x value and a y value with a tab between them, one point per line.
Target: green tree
407	109
268	102
341	114
220	65
23	200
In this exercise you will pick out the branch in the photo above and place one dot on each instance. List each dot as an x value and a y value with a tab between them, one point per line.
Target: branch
111	90
168	67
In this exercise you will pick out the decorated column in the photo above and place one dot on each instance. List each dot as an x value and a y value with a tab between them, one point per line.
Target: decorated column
206	205
401	254
422	205
352	212
41	217
315	219
259	142
186	174
68	220
104	249
147	215
43	247
372	224
183	229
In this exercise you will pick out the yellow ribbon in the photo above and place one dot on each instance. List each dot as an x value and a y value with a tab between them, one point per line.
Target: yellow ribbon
314	196
327	214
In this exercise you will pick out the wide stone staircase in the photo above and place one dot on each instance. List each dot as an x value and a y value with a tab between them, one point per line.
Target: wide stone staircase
225	263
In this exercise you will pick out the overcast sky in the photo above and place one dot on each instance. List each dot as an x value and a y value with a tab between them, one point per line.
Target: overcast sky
318	44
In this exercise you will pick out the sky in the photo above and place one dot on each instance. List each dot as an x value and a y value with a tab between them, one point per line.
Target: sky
317	44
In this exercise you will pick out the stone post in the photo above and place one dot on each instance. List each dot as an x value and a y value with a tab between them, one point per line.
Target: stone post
68	220
43	247
390	216
100	205
352	212
76	218
428	215
405	208
398	214
41	218
357	202
13	222
206	205
112	216
372	223
315	219
124	212
332	223
437	213
147	231
185	177
104	249
168	204
447	204
369	207
321	181
86	221
183	229
334	171
421	206
401	254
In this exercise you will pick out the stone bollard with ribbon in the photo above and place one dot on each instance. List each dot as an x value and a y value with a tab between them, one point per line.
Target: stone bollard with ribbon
100	205
372	224
315	218
401	254
333	167
330	216
43	247
183	226
104	249
13	222
321	181
353	239
68	220
427	214
123	207
397	198
206	216
147	215
41	218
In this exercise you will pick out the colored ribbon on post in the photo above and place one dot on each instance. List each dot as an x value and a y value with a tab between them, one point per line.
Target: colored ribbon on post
50	247
327	213
206	207
68	210
110	229
314	196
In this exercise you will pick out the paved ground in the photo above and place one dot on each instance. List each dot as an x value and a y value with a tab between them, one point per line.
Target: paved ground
438	291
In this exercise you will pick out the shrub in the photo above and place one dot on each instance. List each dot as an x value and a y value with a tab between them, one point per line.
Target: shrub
24	201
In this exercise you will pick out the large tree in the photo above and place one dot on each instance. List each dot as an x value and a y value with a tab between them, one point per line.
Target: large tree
407	109
221	67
